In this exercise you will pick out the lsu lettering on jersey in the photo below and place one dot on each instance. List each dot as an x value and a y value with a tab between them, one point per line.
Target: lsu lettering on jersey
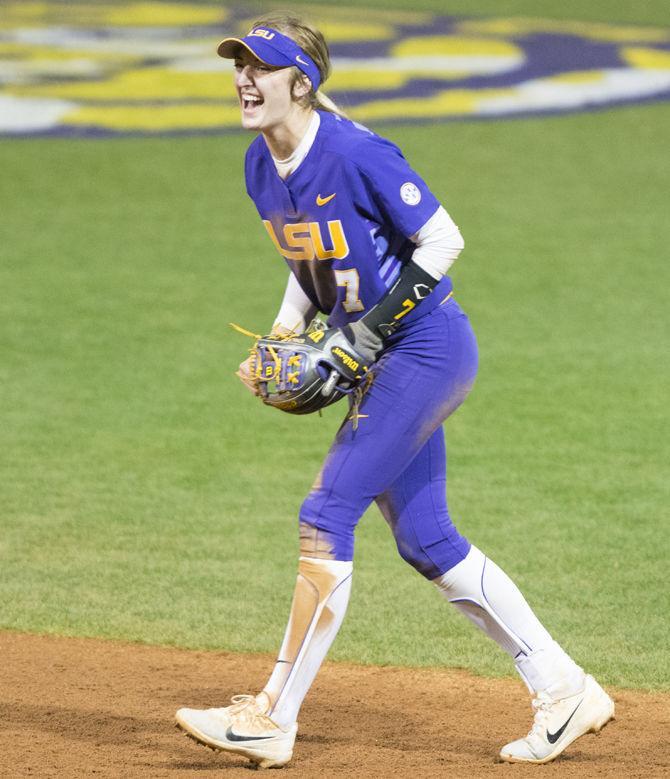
342	220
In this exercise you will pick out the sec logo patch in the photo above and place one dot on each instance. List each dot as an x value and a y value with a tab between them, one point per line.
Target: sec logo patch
410	194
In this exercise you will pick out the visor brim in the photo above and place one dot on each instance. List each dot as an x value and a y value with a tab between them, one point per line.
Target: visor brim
272	54
230	48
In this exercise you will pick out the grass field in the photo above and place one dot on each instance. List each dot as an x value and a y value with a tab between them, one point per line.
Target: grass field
146	496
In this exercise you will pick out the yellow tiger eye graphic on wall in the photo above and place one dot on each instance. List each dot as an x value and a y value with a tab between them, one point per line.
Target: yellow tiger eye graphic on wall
109	69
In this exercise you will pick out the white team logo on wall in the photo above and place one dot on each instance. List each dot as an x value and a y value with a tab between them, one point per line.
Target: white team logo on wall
410	194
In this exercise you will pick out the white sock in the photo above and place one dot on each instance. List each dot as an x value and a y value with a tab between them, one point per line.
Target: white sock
491	600
319	604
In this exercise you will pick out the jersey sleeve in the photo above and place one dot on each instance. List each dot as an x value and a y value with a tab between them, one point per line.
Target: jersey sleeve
400	194
438	244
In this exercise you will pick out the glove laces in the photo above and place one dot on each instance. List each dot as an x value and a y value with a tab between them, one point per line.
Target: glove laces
357	399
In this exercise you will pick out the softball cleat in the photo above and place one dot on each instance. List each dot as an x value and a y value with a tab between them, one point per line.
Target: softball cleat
559	721
242	728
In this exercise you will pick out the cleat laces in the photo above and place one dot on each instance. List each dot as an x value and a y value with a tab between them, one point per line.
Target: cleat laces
542	707
248	715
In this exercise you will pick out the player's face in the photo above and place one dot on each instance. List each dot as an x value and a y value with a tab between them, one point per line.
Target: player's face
264	93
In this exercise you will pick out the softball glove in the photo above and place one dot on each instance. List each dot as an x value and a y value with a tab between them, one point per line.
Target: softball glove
304	373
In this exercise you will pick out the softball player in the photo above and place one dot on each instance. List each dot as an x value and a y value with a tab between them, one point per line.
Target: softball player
368	244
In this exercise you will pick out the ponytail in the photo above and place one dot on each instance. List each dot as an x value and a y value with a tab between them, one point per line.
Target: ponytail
324	103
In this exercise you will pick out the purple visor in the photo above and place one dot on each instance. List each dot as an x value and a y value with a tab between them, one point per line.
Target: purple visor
273	48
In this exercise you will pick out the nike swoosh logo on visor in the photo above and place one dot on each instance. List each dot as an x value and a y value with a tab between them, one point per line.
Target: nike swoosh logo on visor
321	201
230	736
552	738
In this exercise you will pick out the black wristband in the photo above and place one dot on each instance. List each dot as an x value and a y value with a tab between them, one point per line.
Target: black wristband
413	285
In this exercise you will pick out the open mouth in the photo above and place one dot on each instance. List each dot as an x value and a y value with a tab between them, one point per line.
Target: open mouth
249	102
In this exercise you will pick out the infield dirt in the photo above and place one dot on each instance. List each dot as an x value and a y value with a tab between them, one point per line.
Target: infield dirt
83	707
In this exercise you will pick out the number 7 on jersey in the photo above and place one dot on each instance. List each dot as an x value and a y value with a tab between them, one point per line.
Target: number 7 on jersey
349	279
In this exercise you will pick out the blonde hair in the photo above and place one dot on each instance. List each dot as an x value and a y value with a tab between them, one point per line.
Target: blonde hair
312	42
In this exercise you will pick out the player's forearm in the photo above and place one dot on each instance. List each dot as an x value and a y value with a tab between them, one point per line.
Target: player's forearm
439	242
369	333
296	310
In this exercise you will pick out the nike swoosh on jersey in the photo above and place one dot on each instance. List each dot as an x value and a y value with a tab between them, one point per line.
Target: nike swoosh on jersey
230	736
321	201
552	738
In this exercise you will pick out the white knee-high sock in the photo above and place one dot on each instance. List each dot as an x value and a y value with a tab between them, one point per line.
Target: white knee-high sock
491	600
319	603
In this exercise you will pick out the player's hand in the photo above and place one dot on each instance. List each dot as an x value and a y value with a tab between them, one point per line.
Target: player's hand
368	344
341	355
245	374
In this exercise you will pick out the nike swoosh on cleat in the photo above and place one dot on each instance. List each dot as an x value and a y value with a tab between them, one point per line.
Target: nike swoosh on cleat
321	201
230	736
552	738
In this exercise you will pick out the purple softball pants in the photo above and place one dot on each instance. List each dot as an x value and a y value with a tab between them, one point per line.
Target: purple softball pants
396	454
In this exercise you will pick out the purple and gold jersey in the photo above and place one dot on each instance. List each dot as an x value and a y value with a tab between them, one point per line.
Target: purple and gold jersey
343	219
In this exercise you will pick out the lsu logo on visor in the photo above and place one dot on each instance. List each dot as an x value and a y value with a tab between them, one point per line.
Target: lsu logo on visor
305	241
259	32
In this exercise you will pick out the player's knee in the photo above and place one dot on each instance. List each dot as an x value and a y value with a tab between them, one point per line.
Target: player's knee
432	560
418	560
